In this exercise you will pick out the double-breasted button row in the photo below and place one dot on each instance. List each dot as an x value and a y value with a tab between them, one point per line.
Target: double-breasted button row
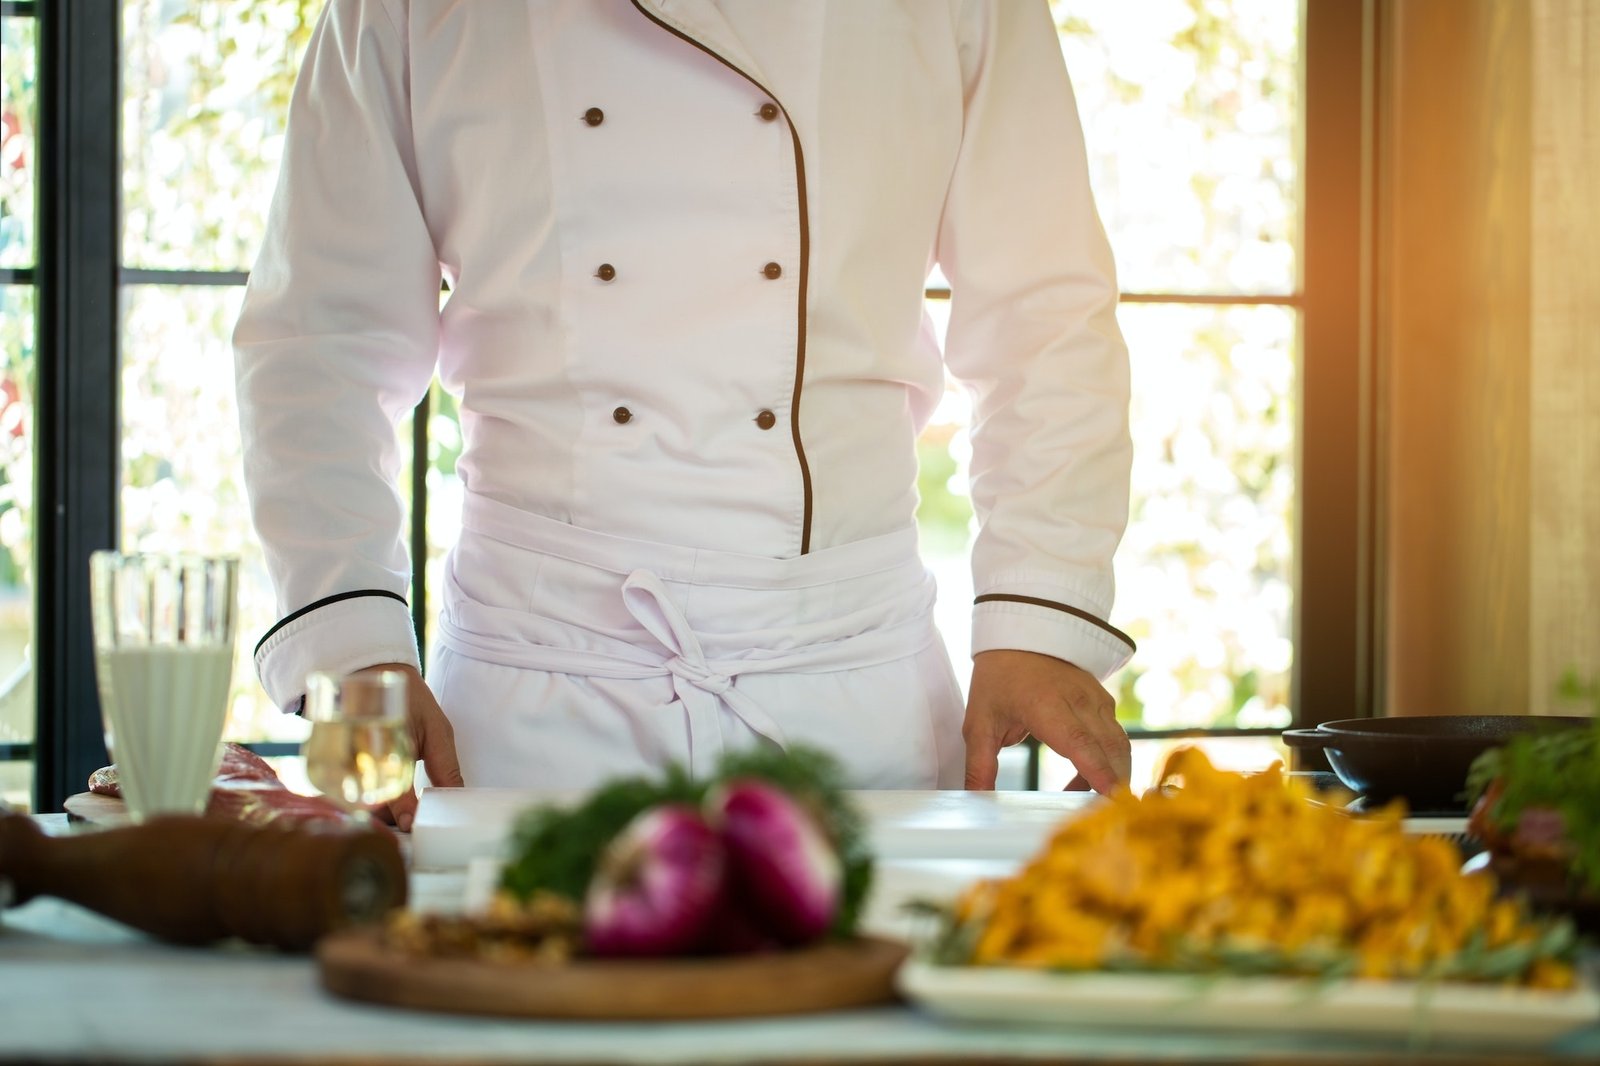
607	272
768	111
764	419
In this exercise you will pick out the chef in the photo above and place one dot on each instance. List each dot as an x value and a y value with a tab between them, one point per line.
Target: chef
685	244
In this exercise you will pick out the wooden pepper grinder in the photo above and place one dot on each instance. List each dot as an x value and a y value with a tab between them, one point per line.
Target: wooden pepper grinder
195	880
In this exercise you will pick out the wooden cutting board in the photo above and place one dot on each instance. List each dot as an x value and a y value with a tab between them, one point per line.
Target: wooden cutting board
97	809
357	965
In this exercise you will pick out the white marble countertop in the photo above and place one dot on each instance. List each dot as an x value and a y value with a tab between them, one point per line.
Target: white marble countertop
74	986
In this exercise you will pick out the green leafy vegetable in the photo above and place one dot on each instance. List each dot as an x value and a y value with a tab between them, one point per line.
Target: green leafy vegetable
1558	771
556	849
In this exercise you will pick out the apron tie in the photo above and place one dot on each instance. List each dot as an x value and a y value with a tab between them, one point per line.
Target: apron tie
699	675
698	685
589	604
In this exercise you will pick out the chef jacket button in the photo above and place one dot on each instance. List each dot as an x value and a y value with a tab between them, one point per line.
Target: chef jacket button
594	116
768	112
606	272
621	415
766	420
772	271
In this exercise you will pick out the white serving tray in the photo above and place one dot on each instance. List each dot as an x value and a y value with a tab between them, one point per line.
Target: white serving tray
1441	1012
457	825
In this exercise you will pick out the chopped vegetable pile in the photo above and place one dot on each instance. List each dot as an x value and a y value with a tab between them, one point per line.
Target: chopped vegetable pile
1232	873
545	929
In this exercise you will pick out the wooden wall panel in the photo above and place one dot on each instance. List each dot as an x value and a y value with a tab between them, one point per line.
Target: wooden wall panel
1565	380
1453	329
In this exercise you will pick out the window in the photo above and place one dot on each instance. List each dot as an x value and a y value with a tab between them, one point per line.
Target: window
205	92
1192	114
1195	113
19	119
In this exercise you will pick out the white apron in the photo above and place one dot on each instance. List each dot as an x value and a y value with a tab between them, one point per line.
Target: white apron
568	656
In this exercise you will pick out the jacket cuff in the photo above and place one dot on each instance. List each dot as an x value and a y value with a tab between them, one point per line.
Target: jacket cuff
340	634
1066	631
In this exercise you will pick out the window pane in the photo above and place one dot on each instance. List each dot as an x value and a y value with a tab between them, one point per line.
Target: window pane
1205	572
16	536
16	784
182	468
444	498
182	477
205	93
19	113
944	512
1191	110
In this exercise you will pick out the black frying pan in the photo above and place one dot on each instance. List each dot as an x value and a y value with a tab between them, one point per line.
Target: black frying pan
1423	760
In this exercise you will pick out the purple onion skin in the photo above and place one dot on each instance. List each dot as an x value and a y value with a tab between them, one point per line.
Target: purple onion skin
782	871
658	888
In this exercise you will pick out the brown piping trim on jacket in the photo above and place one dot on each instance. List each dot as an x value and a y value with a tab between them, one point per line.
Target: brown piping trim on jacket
805	270
1005	597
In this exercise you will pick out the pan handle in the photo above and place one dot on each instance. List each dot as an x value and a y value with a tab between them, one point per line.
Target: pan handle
1306	738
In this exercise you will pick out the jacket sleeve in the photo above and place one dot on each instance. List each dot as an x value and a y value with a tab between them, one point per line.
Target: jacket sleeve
338	339
1033	336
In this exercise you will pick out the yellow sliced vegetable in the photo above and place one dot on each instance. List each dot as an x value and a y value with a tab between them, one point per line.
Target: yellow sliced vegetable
1215	870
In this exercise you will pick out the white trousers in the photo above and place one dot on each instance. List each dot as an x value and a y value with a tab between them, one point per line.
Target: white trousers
566	657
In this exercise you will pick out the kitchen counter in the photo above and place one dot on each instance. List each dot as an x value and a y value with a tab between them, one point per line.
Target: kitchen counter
74	986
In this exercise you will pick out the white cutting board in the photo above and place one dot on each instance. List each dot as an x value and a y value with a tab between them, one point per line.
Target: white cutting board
456	825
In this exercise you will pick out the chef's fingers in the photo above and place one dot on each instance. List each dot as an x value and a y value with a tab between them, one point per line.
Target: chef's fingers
1067	737
1084	729
983	754
401	812
443	769
1079	783
432	739
436	747
1098	709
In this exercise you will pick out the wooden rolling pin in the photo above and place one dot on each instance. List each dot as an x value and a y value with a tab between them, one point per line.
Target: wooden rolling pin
195	880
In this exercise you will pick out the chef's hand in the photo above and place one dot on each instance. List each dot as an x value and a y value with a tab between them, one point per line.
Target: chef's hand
1015	693
433	739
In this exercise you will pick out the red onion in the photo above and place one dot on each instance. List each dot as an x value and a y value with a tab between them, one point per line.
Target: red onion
1541	827
658	886
782	870
734	931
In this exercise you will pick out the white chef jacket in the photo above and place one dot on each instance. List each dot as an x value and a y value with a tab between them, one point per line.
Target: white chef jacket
686	244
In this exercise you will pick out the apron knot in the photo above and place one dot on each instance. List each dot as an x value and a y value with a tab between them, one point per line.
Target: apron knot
646	598
699	675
